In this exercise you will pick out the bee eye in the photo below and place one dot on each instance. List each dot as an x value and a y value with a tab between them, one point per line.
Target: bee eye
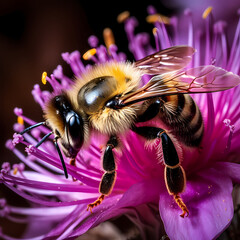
74	130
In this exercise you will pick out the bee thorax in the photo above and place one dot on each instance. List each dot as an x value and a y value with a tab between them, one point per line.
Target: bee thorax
110	121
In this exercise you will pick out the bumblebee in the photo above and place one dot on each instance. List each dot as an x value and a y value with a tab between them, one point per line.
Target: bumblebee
109	99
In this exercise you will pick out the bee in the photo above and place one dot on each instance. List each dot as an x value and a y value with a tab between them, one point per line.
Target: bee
109	99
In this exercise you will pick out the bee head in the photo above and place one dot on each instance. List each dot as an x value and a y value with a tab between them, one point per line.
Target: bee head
66	123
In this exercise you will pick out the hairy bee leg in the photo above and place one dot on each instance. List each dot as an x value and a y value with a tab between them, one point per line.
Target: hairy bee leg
174	174
109	177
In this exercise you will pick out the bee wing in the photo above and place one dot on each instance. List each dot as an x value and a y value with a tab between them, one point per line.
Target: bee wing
201	79
167	60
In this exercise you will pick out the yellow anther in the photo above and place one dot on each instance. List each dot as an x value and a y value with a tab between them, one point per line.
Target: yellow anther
108	37
122	17
44	76
158	18
87	55
15	170
20	120
154	31
207	12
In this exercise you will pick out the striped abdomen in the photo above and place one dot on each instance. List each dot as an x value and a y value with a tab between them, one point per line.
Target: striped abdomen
183	117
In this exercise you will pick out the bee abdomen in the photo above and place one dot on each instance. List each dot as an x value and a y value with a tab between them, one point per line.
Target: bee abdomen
181	114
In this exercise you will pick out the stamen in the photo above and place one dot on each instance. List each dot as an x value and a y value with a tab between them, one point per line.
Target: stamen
9	144
30	149
174	24
52	81
159	21
74	60
44	76
6	166
17	138
58	73
188	13
113	52
155	34
15	170
208	48
108	37
122	17
219	30
102	55
93	41
231	128
18	111
157	18
207	12
89	54
20	120
37	95
197	41
154	31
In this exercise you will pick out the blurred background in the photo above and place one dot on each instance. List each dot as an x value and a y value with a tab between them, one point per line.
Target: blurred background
33	34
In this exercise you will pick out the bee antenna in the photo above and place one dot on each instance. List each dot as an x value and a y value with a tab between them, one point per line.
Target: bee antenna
61	157
31	127
43	139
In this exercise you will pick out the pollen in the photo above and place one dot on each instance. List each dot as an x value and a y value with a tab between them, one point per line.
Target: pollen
154	31
207	12
44	76
20	120
122	17
157	18
108	37
91	52
15	170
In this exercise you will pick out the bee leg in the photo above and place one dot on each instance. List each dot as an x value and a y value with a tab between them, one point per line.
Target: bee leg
109	177
174	174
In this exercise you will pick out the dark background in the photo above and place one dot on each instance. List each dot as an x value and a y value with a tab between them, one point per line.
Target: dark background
33	34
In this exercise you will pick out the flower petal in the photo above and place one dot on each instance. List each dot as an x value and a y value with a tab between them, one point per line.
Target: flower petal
231	169
209	201
138	194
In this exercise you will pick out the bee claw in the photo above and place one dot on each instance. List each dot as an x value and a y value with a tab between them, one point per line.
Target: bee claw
182	205
89	208
95	203
184	213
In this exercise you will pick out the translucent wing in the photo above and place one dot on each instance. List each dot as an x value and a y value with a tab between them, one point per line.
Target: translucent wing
201	79
170	59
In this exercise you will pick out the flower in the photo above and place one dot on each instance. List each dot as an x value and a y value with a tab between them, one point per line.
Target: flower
139	191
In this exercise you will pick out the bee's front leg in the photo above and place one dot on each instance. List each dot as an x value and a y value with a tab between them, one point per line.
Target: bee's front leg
174	174
109	177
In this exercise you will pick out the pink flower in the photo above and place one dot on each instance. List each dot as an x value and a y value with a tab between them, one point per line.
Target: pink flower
139	191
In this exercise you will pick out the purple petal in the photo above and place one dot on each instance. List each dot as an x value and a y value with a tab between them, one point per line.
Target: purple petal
231	169
209	201
138	194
